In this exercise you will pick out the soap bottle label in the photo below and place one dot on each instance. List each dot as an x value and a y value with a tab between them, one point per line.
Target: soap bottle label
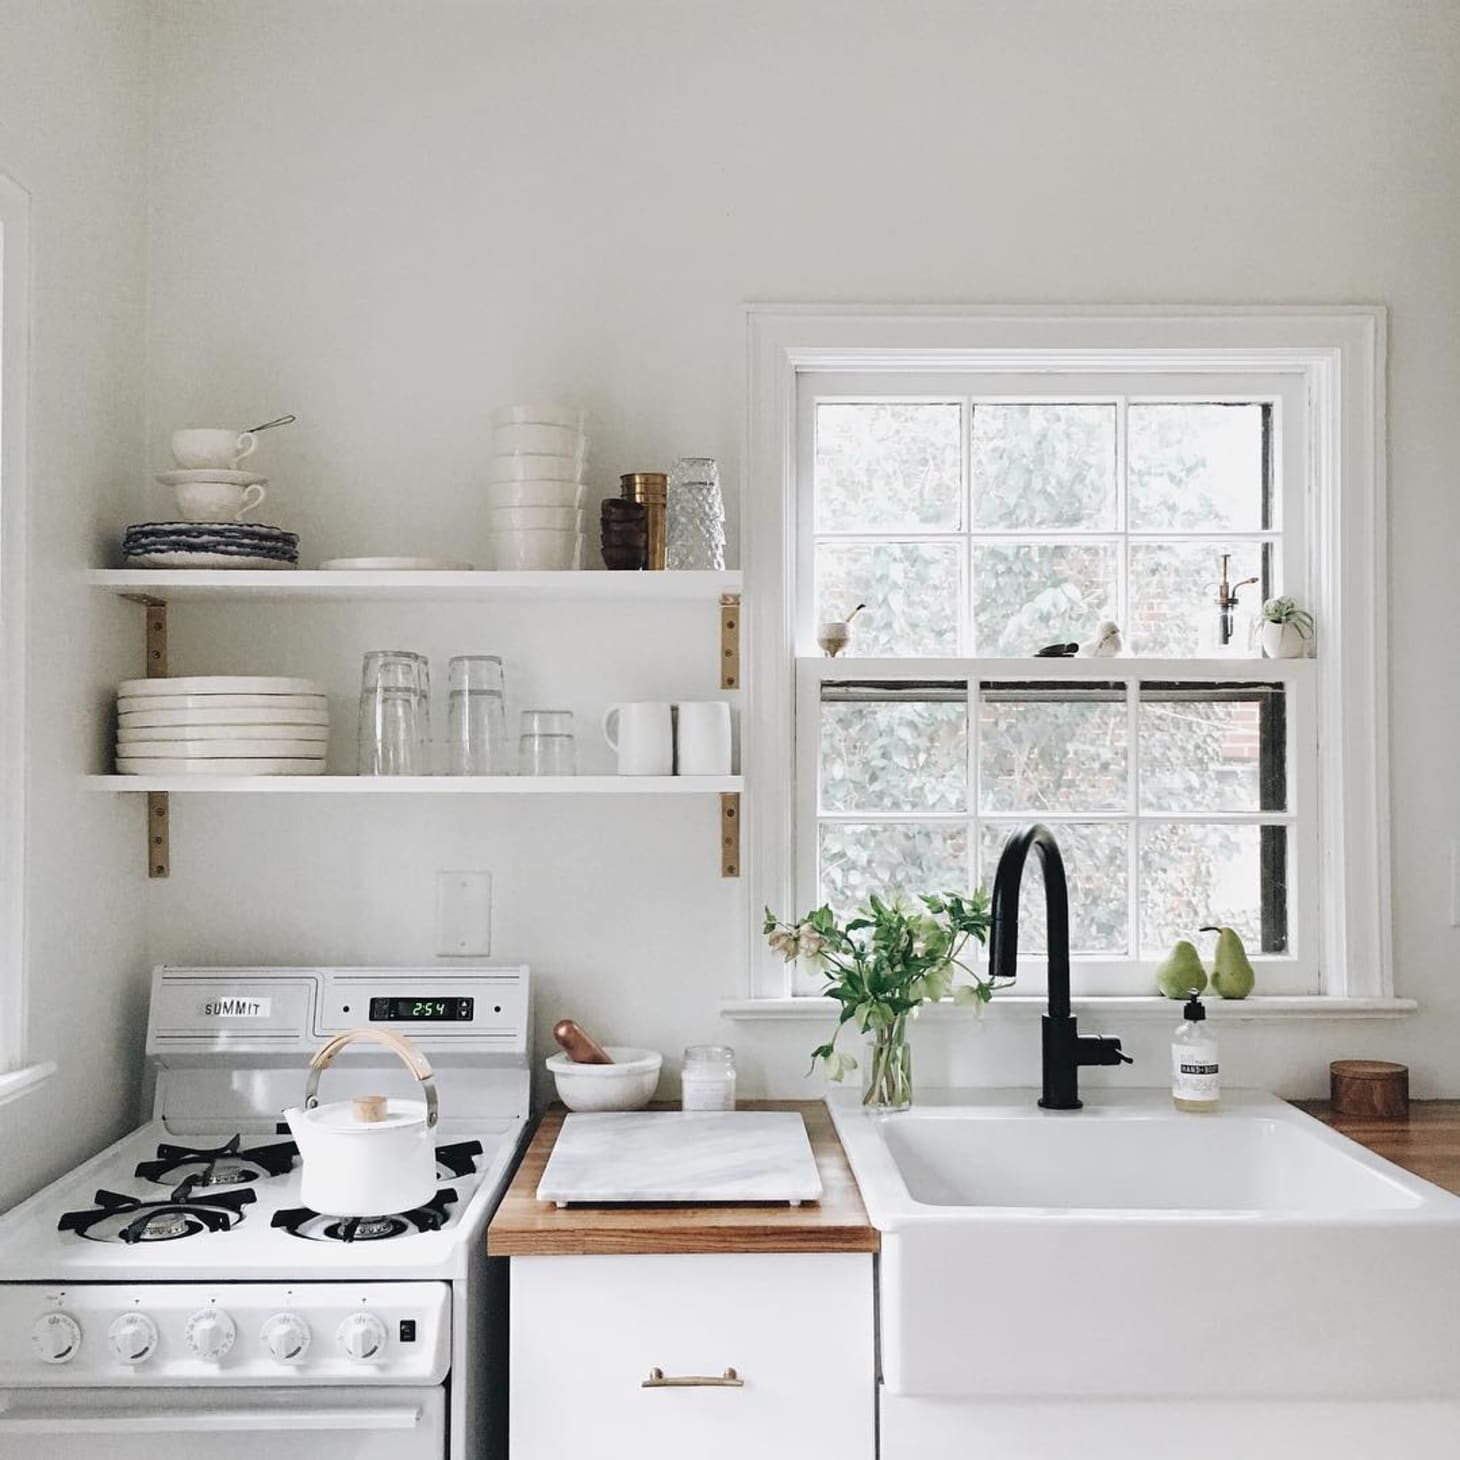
1194	1073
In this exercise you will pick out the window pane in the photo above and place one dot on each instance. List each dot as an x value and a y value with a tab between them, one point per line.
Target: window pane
1095	869
1043	467
910	589
1040	749
1173	595
1213	748
888	466
1197	468
906	755
1193	875
1026	596
860	858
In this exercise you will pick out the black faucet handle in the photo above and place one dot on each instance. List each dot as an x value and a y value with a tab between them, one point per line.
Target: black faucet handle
1102	1049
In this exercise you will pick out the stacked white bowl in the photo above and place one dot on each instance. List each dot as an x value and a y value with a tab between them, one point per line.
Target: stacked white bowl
535	487
238	725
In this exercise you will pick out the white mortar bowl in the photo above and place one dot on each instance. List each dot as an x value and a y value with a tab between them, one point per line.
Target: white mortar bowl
627	1084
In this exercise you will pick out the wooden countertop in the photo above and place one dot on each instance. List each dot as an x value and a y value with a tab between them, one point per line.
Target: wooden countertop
526	1227
1427	1143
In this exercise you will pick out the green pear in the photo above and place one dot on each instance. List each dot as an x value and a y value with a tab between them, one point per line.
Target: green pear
1232	973
1182	975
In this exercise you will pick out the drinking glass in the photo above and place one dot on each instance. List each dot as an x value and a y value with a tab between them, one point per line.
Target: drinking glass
546	746
477	716
394	714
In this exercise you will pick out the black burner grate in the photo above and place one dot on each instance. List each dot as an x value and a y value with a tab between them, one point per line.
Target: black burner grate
314	1227
118	1218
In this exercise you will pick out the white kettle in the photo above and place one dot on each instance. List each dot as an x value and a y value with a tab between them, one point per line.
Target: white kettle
369	1156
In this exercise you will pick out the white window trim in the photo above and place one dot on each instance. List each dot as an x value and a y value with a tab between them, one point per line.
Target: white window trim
1340	351
15	1078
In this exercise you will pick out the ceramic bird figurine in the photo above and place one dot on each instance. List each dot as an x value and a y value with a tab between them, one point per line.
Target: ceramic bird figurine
1106	644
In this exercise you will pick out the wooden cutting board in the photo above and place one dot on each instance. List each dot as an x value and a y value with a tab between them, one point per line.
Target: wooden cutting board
677	1156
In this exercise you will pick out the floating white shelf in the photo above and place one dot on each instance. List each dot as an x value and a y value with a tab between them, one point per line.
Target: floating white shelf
263	585
426	785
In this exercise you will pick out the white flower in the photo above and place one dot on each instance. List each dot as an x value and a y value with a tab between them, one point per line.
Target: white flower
785	944
810	942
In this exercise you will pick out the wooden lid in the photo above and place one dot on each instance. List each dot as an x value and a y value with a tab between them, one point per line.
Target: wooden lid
369	1109
1367	1069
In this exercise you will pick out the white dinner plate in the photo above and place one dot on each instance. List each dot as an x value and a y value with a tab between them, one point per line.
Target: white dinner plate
222	702
221	749
134	719
129	732
217	684
212	474
175	766
394	565
204	560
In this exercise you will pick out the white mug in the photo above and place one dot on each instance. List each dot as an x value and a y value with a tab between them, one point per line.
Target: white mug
217	501
642	735
198	447
703	739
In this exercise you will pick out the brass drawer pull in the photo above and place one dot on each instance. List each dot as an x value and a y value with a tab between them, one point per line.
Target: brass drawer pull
728	1380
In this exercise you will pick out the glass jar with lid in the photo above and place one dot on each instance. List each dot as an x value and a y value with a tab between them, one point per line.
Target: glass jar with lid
707	1078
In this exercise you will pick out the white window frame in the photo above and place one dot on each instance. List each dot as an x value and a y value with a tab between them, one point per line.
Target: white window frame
14	661
1338	353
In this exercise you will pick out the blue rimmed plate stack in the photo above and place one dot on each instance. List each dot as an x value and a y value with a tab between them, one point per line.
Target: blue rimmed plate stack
209	545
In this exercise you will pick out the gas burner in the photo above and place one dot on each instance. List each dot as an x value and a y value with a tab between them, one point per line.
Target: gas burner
118	1218
457	1160
309	1224
187	1170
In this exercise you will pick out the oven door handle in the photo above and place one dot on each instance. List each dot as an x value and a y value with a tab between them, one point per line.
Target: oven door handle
208	1421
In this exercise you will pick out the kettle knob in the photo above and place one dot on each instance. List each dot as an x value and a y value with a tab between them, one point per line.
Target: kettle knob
368	1109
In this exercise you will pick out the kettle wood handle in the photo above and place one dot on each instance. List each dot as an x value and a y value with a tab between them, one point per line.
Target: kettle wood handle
409	1055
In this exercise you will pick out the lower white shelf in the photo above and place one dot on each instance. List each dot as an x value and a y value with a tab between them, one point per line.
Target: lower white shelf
426	785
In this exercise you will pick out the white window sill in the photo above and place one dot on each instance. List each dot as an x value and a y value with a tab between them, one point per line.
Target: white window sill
1030	1006
23	1081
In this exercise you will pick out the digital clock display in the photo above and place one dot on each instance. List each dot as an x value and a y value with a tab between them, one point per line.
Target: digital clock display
421	1011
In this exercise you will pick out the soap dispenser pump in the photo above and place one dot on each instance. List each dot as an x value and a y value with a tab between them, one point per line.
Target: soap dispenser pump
1195	1075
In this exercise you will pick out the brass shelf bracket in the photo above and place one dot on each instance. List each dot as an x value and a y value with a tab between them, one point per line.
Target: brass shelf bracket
159	811
729	641
729	833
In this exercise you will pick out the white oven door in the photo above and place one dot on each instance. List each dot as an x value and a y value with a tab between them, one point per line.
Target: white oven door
223	1424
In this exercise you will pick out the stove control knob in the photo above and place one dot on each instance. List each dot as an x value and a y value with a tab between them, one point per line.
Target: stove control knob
55	1337
210	1333
133	1337
286	1336
362	1338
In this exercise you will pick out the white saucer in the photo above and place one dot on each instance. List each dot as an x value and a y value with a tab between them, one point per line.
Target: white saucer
172	766
193	733
221	702
203	560
147	719
217	684
221	749
394	565
212	474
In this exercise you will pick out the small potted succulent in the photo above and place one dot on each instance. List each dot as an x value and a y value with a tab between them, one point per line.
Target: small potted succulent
1287	630
881	966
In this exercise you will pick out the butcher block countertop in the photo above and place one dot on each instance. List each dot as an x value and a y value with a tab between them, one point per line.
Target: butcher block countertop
1426	1143
526	1227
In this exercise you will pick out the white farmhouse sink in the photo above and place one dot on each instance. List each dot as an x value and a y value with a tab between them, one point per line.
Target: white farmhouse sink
1131	1249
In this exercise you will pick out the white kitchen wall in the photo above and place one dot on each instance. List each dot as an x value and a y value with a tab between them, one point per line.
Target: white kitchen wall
73	133
390	215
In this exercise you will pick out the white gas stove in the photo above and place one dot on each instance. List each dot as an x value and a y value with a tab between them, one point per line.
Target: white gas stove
176	1285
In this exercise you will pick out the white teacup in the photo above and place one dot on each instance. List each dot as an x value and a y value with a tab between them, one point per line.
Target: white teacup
197	447
642	735
217	501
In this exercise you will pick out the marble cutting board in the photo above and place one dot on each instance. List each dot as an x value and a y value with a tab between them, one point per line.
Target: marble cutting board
675	1156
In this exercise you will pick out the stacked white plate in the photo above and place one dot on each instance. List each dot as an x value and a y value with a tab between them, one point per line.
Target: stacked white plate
535	487
221	725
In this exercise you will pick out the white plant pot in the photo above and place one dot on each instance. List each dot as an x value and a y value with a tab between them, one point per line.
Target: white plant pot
1284	641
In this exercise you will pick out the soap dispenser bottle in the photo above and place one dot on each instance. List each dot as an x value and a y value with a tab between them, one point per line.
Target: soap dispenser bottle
1195	1077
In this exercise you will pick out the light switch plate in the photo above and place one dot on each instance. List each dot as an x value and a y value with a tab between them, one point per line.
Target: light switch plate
463	914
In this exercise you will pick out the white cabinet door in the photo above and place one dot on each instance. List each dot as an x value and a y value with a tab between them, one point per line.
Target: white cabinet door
797	1329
